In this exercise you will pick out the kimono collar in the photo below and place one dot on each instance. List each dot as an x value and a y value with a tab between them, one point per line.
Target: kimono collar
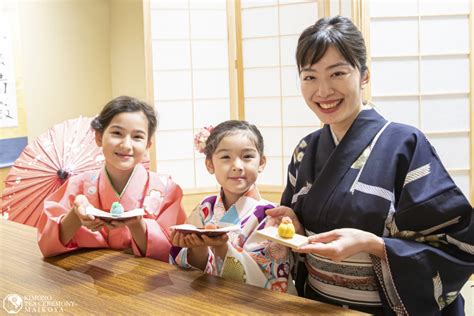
332	163
251	193
112	186
236	211
334	137
131	196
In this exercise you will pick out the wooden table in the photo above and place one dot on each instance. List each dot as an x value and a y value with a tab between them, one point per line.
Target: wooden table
113	282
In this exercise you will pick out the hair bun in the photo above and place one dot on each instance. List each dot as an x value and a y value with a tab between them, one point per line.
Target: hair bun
201	137
95	124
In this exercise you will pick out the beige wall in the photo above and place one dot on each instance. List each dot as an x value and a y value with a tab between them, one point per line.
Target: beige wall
74	56
66	60
130	50
77	55
127	50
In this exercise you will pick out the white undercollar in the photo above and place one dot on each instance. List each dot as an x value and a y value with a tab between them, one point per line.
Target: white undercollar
334	137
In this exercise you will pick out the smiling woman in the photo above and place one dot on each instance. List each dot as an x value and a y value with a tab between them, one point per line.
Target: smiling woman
386	224
332	88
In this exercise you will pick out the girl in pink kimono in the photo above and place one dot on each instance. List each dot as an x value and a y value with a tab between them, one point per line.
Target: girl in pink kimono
234	154
123	129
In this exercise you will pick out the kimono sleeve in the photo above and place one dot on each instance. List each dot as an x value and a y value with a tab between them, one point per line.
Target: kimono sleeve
292	174
157	225
55	208
254	260
289	188
429	251
179	256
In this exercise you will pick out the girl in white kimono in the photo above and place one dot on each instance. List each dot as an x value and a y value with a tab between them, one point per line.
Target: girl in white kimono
234	154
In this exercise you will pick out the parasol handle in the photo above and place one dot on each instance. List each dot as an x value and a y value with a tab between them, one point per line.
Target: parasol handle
62	174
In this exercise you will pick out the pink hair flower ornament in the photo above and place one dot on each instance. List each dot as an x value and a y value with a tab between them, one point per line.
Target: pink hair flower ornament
201	137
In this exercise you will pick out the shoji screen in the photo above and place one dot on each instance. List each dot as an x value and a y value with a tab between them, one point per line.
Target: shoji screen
420	67
270	30
191	82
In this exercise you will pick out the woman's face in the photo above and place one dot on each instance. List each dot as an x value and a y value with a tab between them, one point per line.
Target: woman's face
332	88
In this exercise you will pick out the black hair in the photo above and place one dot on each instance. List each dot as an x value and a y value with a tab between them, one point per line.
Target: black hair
125	104
231	127
338	32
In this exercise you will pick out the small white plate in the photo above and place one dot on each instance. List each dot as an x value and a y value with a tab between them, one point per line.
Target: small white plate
90	210
188	229
272	234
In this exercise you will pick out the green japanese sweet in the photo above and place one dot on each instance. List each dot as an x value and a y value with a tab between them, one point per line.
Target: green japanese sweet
117	209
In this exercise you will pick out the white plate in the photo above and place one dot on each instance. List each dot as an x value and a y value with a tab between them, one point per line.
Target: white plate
188	229
90	210
272	234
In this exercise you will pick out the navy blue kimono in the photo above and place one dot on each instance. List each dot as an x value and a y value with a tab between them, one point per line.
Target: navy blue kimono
386	178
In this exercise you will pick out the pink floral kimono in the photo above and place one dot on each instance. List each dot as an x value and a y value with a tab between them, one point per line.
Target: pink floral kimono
158	195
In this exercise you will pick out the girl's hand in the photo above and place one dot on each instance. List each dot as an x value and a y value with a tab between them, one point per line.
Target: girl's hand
340	244
179	239
198	246
137	227
88	221
277	213
131	222
194	240
183	240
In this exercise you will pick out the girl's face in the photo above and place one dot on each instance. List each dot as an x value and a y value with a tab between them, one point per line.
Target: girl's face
236	164
124	142
332	89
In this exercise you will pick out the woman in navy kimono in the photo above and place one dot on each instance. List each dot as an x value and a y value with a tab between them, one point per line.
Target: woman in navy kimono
389	231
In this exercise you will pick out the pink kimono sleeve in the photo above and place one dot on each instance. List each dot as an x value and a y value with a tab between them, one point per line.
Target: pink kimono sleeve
157	227
55	208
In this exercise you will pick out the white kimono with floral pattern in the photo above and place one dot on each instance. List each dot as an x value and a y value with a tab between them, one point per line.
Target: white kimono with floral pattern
250	258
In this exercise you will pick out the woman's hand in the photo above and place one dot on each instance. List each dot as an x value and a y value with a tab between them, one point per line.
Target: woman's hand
88	221
277	213
340	244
